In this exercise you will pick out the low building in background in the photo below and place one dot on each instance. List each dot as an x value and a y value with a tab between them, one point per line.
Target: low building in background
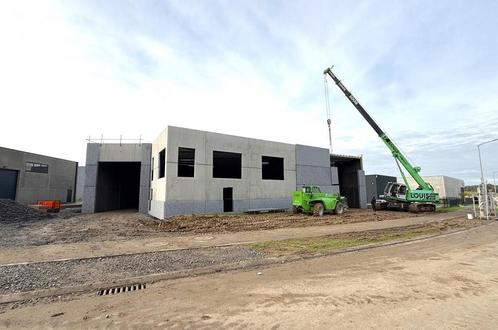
80	184
375	184
27	177
449	189
186	171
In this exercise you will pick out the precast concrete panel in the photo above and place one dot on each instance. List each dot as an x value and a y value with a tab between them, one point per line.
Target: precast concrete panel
191	194
116	153
313	167
362	190
54	183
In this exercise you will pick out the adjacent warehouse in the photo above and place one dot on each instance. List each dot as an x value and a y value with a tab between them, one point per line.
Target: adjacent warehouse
376	183
187	171
27	177
449	189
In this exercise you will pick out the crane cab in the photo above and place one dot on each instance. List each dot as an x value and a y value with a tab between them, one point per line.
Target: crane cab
395	190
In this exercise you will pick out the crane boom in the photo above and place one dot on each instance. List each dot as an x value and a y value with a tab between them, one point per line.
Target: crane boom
398	156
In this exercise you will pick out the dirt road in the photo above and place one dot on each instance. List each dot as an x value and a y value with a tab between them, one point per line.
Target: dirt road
446	282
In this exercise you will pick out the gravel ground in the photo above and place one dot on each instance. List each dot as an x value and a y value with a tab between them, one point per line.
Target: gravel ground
45	275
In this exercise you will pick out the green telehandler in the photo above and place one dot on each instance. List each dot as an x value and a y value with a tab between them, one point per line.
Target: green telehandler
396	195
310	199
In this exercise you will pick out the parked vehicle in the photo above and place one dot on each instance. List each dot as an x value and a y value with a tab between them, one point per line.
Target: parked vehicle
310	199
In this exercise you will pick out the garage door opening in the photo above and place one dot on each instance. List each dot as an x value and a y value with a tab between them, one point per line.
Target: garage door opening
118	186
347	168
8	184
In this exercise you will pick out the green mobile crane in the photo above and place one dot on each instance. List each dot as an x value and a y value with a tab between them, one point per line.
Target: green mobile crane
396	195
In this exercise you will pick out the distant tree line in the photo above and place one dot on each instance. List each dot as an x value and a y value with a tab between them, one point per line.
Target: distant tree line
473	188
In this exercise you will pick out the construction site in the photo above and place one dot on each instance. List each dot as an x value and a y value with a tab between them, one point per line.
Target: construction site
197	227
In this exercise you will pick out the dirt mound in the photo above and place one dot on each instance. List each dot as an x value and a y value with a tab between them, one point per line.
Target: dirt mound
246	222
11	211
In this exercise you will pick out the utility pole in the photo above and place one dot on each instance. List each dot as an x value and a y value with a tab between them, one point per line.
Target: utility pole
483	183
494	182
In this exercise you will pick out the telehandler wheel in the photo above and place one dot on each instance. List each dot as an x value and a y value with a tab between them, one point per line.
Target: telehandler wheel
318	209
339	208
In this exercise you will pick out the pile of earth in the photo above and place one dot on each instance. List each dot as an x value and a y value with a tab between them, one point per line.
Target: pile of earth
11	211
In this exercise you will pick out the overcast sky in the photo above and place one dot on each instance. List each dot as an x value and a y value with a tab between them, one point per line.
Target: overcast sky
427	71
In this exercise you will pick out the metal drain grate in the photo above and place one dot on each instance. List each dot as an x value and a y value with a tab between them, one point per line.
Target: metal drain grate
121	289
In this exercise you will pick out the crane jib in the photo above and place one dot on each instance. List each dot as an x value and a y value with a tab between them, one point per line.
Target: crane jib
426	192
355	102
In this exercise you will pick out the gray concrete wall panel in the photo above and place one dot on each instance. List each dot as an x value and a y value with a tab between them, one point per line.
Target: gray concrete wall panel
157	209
88	205
184	207
335	175
80	183
115	152
312	175
172	208
214	206
313	156
362	189
92	153
33	186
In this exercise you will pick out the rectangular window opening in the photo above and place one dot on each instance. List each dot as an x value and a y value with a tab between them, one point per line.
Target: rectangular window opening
186	160
272	168
227	165
36	167
162	163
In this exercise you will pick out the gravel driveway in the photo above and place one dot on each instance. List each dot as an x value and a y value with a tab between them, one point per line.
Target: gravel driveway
44	275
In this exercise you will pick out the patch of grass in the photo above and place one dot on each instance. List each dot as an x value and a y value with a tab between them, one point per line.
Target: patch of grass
442	209
336	242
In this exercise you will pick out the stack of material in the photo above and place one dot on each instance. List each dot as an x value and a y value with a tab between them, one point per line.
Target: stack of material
11	211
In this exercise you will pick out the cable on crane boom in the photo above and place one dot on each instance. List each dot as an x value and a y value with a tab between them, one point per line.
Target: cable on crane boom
327	109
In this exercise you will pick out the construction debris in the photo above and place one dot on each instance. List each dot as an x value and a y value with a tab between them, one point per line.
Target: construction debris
11	211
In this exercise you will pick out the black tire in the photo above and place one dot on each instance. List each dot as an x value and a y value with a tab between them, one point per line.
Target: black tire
295	210
318	209
339	208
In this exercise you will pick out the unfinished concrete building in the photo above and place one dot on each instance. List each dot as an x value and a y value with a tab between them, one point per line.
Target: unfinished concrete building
117	176
186	171
27	177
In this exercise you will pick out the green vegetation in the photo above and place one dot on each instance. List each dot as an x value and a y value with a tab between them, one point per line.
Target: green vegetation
337	242
443	209
473	188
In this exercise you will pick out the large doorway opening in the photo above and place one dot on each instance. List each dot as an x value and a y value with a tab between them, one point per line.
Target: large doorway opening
118	186
347	169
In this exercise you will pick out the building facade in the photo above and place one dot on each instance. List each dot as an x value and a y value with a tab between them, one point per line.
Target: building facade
186	171
27	177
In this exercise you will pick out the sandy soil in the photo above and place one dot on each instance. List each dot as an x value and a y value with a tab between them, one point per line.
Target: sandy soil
447	282
125	225
247	222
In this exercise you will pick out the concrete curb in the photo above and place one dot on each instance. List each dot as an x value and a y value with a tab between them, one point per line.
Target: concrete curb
152	278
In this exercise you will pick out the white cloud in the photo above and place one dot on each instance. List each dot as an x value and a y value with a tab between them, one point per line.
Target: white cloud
75	69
